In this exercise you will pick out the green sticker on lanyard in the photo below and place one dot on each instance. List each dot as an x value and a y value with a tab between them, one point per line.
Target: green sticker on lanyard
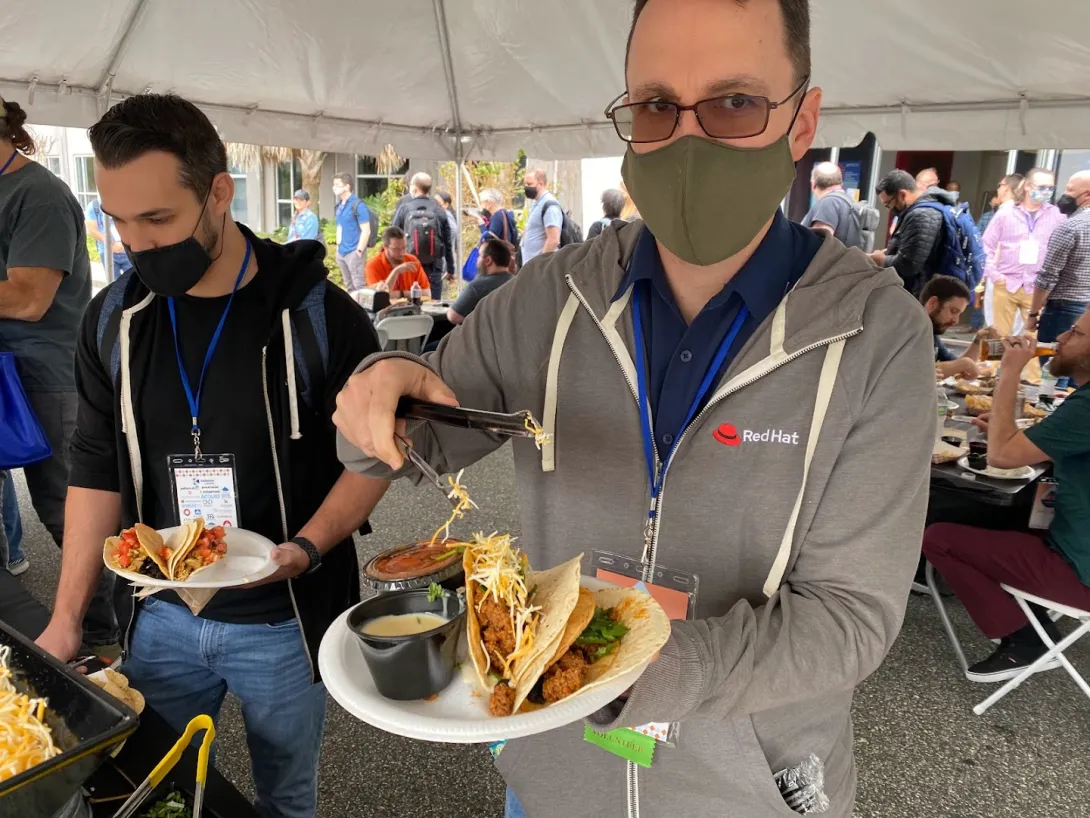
623	742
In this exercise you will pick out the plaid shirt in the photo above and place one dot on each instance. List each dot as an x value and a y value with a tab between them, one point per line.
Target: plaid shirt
1066	271
1003	240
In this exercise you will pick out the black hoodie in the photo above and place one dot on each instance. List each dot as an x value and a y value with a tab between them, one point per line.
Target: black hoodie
245	405
916	246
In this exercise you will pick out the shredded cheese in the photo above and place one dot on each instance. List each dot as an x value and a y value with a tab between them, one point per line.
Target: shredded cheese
499	568
541	437
457	492
25	741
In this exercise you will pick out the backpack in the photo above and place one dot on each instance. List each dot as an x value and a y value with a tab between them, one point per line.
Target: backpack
310	336
960	254
866	218
372	218
510	235
424	237
570	230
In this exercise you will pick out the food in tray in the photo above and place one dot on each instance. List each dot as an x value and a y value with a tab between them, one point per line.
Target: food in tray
972	387
174	805
142	550
117	685
944	452
537	637
978	404
25	739
1034	412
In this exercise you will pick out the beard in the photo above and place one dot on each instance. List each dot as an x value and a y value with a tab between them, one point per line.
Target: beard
1071	367
207	235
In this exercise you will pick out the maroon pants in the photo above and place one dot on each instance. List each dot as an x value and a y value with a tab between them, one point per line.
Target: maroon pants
974	561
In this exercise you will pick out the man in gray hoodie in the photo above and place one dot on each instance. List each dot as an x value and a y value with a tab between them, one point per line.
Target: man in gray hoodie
729	395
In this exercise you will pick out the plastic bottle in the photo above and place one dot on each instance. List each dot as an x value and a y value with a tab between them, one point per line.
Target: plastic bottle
414	293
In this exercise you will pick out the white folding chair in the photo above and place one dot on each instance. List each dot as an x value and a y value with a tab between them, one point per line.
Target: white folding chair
383	337
1055	649
407	328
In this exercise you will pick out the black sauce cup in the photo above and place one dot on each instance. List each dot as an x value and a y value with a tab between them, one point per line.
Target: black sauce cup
415	666
978	455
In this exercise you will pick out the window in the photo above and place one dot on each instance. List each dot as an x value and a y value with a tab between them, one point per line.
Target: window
239	204
289	178
53	163
368	179
85	189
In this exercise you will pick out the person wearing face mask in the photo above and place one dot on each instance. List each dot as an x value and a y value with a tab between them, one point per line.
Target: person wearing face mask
915	248
716	382
1015	245
1062	290
197	366
546	219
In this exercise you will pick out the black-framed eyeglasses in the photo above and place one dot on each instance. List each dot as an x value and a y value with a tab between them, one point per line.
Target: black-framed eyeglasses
731	116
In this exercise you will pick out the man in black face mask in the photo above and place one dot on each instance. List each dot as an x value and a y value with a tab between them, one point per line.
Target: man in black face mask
1062	290
546	219
716	381
204	392
915	244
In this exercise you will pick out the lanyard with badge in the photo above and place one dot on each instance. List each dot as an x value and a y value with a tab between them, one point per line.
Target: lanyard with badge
204	485
674	590
1029	249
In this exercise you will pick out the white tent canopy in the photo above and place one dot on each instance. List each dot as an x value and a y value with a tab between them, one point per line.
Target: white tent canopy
483	78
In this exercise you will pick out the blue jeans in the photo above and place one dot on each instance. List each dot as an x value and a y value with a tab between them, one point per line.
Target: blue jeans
512	808
13	523
184	666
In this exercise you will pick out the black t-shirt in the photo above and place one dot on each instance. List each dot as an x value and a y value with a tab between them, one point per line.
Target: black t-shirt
232	421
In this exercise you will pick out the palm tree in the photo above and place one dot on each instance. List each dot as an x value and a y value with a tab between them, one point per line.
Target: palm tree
310	162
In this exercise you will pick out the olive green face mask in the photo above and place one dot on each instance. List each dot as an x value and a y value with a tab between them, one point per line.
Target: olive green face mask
704	200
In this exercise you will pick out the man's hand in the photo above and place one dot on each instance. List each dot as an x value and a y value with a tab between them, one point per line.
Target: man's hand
366	405
1000	281
967	368
361	250
292	561
61	640
382	287
878	257
1018	351
117	248
448	276
1032	322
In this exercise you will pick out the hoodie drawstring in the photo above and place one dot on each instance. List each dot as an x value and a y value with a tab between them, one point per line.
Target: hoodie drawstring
128	413
563	324
289	364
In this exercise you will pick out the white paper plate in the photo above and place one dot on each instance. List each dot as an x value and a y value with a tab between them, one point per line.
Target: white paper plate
1021	473
460	714
249	558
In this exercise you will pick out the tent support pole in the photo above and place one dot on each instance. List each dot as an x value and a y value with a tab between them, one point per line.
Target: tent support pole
459	172
119	50
875	166
1012	161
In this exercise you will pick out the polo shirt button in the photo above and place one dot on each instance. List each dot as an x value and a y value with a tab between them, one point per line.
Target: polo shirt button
668	439
686	356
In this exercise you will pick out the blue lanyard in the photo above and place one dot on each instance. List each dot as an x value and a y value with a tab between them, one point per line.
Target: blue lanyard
1031	223
655	475
195	401
10	160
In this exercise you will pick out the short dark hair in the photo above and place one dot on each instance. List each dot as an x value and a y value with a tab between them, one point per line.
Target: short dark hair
12	119
442	194
391	233
161	122
796	32
612	203
895	181
499	251
346	180
944	288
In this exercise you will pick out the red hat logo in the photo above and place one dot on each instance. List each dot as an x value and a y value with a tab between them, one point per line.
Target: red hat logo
727	435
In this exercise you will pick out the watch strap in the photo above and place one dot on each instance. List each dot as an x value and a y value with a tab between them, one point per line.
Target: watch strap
312	552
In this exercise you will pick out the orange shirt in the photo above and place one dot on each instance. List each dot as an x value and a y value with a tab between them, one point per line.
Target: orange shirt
379	269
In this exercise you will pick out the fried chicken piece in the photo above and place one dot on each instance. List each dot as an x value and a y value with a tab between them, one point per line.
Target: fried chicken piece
565	677
502	701
496	630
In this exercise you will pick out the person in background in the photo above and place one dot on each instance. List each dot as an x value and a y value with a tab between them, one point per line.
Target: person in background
944	299
1062	290
1006	191
834	210
612	205
1004	194
393	270
444	200
542	234
500	221
1053	564
954	189
917	240
427	230
304	223
1015	246
11	530
353	232
927	179
45	285
492	272
211	312
629	212
96	229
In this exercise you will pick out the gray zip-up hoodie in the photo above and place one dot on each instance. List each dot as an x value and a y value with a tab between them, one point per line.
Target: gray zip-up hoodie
804	535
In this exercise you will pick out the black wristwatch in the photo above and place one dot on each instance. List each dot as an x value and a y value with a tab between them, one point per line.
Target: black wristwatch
1035	315
312	552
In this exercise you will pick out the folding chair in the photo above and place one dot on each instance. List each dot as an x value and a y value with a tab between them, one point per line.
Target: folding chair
1055	649
383	337
407	328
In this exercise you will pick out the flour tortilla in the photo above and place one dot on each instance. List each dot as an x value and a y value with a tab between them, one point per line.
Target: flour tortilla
184	539
148	539
580	617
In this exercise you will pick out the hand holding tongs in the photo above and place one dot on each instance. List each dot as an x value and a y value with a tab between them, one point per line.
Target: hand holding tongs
197	724
431	474
515	424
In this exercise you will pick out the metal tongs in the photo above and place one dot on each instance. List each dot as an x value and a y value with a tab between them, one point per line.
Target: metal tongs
197	724
431	474
497	423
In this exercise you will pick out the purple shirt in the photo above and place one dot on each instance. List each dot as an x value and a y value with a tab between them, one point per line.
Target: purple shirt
1013	232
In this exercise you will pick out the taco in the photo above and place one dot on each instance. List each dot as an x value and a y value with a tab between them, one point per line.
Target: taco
202	547
141	550
513	615
624	629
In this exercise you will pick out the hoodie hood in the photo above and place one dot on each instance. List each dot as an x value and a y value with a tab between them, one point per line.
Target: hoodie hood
937	194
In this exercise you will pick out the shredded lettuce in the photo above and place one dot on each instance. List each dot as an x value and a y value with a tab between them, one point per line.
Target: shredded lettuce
602	630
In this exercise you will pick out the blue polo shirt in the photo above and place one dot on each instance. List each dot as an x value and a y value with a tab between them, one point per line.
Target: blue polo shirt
679	355
348	228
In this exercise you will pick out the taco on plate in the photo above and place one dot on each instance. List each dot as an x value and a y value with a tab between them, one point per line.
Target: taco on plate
141	550
202	547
